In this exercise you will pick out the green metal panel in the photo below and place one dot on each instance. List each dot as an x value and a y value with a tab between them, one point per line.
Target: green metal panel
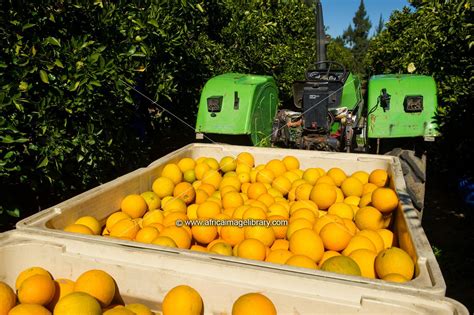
351	92
248	106
401	120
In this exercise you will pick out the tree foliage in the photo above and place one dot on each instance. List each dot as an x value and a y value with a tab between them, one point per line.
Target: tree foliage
71	118
357	37
437	38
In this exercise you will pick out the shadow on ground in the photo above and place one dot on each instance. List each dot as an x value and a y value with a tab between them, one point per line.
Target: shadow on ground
449	224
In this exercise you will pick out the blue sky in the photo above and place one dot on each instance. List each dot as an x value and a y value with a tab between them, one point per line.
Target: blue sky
338	14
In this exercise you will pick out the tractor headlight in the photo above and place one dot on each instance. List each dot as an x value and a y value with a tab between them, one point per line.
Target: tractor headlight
214	104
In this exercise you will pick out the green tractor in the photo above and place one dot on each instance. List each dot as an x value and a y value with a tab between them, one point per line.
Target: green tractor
328	114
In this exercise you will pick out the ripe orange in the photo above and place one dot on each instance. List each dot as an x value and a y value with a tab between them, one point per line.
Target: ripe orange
378	177
246	158
351	186
208	209
164	241
173	172
63	287
147	235
324	195
342	210
335	236
134	205
227	164
115	218
278	256
255	190
186	164
291	162
297	225
311	175
394	260
338	175
182	300
368	218
78	228
307	242
365	259
359	242
232	234
302	261
328	254
384	199
163	186
251	249
277	167
37	289
253	304
179	235
232	199
28	273
362	176
184	191
204	234
7	298
262	233
125	229
341	264
221	248
91	222
98	284
27	309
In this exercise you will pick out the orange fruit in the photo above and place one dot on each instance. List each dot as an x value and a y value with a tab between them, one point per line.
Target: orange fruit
369	218
291	176
254	213
394	260
342	210
362	176
335	236
179	235
186	164
368	188
246	158
153	216
279	229
280	244
255	190
278	256
134	205
221	248
303	204
164	241
78	228
171	218
7	298
98	284
199	248
212	177
365	259
384	199
227	164
200	170
251	249
232	234
341	264
182	300
351	186
277	167
307	242
37	289
297	225
114	218
232	199
365	200
311	175
291	162
163	186
208	209
204	234
324	195
395	277
378	177
201	196
302	261
63	287
277	209
303	213
326	179
350	225
338	175
266	199
232	181
375	238
212	162
265	176
139	309
387	237
262	233
174	205
147	235
125	229
31	309
303	191
328	254
152	200
173	172
253	304
91	222
322	221
184	191
359	242
28	273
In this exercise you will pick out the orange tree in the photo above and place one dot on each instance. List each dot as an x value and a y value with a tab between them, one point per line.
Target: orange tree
71	118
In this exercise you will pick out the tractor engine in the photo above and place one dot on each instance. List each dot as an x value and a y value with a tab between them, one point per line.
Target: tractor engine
320	122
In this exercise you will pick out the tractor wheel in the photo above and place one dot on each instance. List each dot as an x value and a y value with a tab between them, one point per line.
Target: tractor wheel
414	172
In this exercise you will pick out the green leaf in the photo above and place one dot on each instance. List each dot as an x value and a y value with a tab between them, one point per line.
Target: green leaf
198	6
14	213
154	23
52	41
27	26
44	76
23	86
58	63
43	163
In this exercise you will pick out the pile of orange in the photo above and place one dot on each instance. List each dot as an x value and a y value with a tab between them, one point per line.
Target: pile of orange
329	213
95	292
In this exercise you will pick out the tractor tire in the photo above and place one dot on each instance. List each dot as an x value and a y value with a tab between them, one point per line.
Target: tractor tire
414	173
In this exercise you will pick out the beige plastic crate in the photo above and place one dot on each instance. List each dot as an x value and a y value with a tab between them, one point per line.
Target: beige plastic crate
145	276
105	199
